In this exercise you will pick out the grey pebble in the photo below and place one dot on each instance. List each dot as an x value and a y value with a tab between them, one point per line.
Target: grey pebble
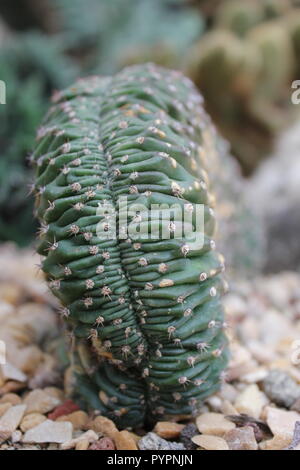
281	388
153	442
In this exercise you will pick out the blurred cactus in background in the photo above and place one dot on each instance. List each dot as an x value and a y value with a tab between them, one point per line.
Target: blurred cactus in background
239	17
293	26
244	67
275	47
226	69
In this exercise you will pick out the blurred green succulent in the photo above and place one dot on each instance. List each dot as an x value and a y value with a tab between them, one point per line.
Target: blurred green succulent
117	32
145	29
31	66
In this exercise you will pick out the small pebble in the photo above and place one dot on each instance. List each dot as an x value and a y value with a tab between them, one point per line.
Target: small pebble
152	441
241	439
295	444
16	436
64	409
89	436
79	419
12	398
282	424
4	407
38	401
296	406
281	388
49	431
56	393
214	424
10	421
228	409
82	445
125	441
103	444
168	430
189	431
31	421
104	426
209	442
10	372
251	401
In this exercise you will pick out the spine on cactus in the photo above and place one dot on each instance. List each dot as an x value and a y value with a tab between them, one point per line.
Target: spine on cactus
145	314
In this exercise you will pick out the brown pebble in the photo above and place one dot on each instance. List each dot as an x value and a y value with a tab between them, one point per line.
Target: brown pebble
10	293
228	409
79	419
277	443
103	444
12	398
31	420
55	392
282	424
10	421
214	424
124	441
168	430
82	445
105	426
208	442
4	407
38	401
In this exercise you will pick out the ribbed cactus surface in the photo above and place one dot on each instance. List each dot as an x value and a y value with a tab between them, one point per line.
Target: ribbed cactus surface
145	313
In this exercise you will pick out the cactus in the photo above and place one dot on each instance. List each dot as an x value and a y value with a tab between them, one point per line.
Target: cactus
144	315
226	68
246	82
239	17
293	26
271	99
275	46
276	8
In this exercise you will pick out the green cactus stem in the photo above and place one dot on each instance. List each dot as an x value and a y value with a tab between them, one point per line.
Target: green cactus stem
145	314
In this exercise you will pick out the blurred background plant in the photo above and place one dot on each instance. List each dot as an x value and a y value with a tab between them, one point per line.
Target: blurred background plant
242	55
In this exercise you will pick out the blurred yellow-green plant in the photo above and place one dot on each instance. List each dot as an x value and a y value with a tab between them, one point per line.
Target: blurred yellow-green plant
244	68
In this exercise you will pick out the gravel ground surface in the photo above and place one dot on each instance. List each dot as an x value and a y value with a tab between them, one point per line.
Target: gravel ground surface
258	407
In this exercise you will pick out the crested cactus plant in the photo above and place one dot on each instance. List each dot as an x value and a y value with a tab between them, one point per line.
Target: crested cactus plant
144	314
